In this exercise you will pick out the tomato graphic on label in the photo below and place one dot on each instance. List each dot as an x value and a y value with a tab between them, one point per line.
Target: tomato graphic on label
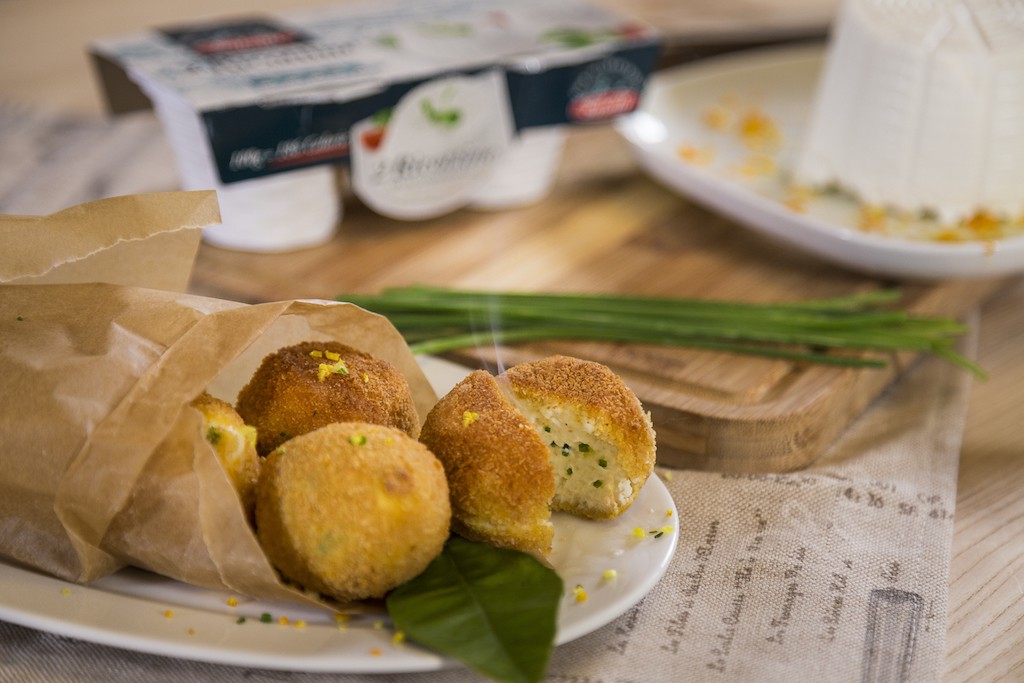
372	138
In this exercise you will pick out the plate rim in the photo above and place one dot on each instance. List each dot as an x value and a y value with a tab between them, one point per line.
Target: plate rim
91	618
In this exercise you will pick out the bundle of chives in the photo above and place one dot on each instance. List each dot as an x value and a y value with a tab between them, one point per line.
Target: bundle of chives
437	320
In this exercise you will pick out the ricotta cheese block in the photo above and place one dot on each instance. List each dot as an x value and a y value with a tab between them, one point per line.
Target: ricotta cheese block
920	108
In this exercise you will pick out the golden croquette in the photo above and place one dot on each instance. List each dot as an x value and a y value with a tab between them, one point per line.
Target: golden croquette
497	466
309	385
234	442
601	440
559	433
352	510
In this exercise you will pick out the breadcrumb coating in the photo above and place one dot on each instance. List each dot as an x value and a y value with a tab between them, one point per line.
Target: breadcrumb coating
306	386
496	464
352	510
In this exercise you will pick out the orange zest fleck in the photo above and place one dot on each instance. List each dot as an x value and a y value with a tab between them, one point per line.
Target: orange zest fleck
698	156
759	131
872	218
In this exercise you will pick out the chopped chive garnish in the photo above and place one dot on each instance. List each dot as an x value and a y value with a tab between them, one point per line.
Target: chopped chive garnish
240	620
597	484
602	462
584	448
547	428
568	471
266	618
854	330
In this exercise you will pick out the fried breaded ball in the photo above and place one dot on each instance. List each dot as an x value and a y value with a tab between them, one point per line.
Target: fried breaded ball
497	466
303	387
352	510
555	434
235	445
601	441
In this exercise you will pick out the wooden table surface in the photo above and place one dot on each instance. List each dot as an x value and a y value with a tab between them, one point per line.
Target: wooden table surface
42	46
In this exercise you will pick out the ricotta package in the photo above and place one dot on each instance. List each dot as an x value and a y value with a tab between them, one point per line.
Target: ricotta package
432	106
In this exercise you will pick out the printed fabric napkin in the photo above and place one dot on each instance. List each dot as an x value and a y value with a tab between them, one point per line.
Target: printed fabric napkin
838	572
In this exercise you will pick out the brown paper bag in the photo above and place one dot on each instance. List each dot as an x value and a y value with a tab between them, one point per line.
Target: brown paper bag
146	240
104	463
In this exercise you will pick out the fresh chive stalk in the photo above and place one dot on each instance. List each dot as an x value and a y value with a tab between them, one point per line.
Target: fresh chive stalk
852	330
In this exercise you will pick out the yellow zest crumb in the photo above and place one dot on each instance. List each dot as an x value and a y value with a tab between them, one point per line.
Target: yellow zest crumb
342	618
283	621
758	131
366	378
325	369
331	355
376	652
639	533
796	200
398	638
579	594
191	631
469	418
668	513
985	225
698	156
757	165
65	591
316	354
300	623
871	218
948	235
718	117
667	529
609	575
379	624
169	613
232	602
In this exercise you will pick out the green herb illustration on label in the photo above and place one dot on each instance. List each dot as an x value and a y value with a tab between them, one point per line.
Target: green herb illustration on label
441	29
570	37
575	37
444	117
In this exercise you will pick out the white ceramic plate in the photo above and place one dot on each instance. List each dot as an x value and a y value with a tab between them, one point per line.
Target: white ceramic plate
781	82
130	608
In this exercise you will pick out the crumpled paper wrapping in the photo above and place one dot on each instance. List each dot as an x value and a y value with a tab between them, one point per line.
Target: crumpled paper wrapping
105	463
145	240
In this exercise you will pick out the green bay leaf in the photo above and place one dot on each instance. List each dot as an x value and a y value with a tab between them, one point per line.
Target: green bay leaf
495	610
